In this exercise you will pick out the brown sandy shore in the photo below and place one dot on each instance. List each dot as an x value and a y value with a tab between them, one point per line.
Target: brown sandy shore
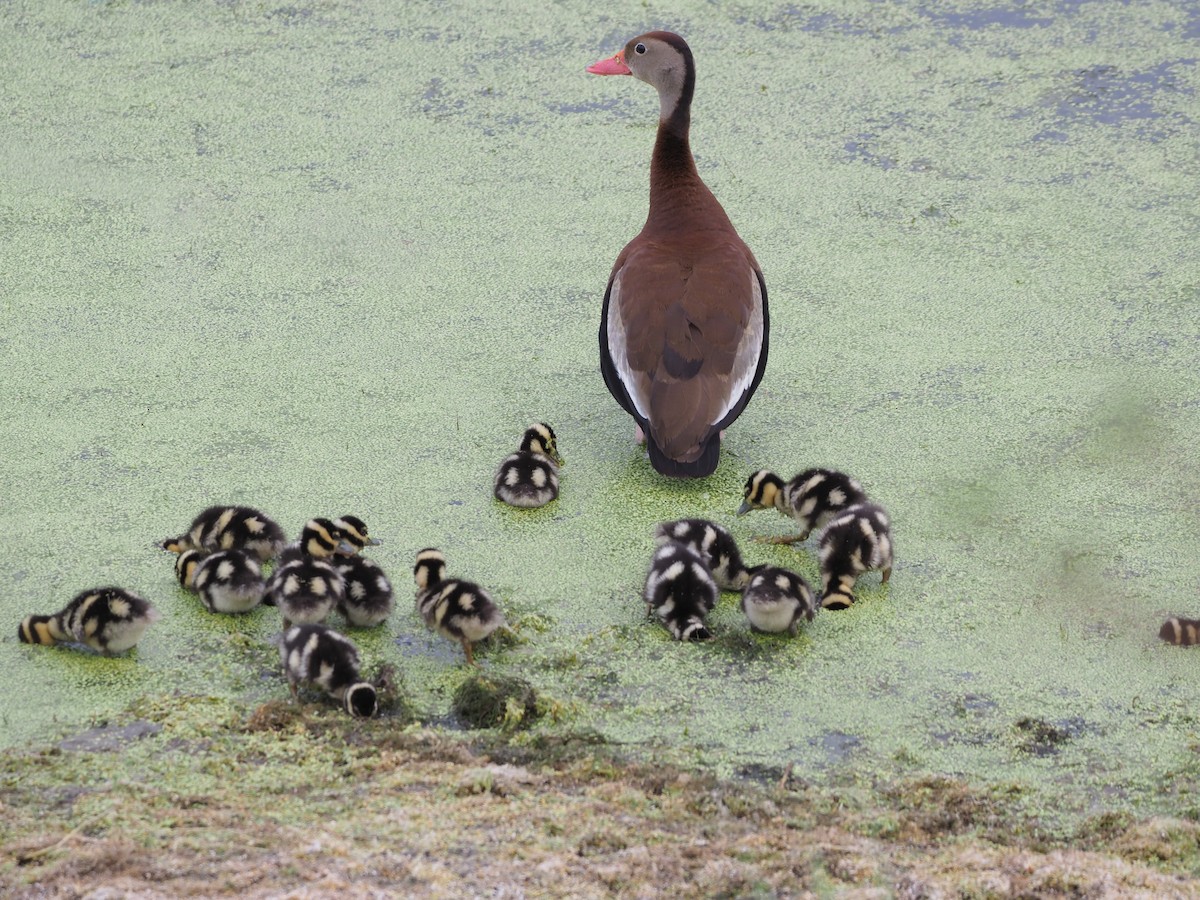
199	797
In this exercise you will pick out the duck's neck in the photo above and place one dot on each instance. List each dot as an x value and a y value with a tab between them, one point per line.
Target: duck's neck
675	185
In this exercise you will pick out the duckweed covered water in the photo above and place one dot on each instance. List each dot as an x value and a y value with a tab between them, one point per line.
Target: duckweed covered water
334	258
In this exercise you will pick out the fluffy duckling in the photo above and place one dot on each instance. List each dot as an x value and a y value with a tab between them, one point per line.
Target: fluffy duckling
776	599
457	609
319	539
319	655
529	477
230	528
680	590
368	598
305	590
812	498
857	541
714	543
353	532
1179	631
229	581
107	619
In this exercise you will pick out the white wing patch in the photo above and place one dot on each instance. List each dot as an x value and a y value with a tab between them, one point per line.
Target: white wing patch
749	351
615	329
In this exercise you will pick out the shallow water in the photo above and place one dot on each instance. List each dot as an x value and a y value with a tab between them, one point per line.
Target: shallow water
334	258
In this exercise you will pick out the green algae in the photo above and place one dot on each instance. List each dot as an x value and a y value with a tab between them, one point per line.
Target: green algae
335	258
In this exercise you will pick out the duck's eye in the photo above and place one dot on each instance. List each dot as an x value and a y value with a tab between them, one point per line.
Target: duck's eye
639	48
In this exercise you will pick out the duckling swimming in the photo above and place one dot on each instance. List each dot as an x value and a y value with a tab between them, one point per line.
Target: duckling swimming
714	543
812	498
107	619
319	655
529	477
229	581
456	609
857	541
680	590
230	528
777	599
368	598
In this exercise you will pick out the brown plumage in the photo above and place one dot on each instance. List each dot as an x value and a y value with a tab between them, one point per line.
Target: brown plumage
683	333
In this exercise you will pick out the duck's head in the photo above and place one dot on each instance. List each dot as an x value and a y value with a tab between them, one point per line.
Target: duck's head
663	60
320	538
361	700
540	438
353	532
762	489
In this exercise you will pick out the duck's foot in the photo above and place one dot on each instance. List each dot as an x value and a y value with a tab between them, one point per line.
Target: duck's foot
638	434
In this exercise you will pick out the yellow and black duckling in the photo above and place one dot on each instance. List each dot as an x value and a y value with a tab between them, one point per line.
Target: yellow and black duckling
319	539
777	599
306	591
680	590
456	609
229	581
107	619
230	528
368	597
353	531
858	540
714	543
529	477
1180	631
812	498
319	655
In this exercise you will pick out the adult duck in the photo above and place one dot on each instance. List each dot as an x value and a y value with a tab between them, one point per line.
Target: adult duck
683	332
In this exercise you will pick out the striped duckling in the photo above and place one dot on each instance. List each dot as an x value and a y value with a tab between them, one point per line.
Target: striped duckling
318	655
777	599
230	528
680	590
305	584
714	543
529	477
858	540
107	619
229	581
353	532
456	609
368	598
1180	631
812	498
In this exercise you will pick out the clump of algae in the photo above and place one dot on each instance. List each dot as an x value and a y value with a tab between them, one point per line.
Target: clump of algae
493	701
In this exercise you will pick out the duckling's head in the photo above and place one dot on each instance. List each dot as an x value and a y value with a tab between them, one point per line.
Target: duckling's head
361	700
177	544
319	538
353	532
540	438
185	566
762	489
430	568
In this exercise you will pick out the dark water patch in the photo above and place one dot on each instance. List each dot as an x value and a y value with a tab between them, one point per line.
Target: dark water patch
979	19
861	149
110	738
1039	737
837	745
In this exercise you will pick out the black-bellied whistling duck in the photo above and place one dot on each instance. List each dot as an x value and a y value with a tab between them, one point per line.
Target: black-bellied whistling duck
683	333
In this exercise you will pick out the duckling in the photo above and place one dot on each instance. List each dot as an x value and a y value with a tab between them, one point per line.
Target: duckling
1180	631
714	543
529	477
812	498
456	609
230	528
857	541
229	581
107	619
306	590
368	598
320	656
185	567
353	532
680	590
319	539
776	599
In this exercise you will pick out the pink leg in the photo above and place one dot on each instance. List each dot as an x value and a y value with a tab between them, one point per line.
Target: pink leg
638	434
